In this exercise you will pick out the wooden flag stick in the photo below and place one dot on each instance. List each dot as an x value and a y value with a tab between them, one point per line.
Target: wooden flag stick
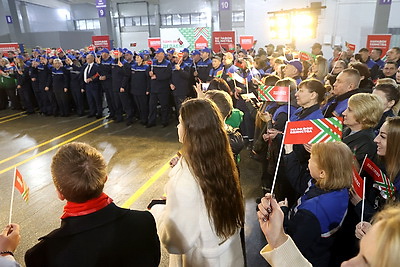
362	204
12	195
279	161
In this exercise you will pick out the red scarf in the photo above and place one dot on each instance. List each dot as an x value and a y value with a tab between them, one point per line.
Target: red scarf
72	209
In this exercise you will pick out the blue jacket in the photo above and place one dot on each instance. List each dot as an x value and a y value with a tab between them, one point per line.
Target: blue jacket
163	72
313	222
311	113
140	80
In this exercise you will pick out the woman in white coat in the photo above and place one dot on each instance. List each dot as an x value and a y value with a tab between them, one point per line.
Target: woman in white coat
204	212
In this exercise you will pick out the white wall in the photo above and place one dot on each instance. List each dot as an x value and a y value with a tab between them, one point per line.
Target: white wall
131	37
44	19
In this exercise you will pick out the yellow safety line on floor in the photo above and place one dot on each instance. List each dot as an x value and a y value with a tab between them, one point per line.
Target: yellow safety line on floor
54	147
12	115
146	186
49	141
19	117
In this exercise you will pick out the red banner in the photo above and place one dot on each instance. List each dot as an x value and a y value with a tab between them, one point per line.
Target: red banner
313	131
4	47
102	41
225	39
246	41
381	41
154	42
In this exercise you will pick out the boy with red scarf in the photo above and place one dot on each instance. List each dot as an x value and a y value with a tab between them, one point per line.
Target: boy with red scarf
94	231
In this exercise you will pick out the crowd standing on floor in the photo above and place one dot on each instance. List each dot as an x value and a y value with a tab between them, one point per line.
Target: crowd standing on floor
315	215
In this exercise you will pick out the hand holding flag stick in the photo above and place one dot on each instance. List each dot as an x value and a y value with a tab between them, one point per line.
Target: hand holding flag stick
21	186
279	160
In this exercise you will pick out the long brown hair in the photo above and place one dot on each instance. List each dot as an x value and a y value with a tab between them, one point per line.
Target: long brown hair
206	149
392	155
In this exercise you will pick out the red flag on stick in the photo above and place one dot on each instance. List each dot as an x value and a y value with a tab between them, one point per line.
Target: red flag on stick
351	46
59	50
313	131
21	186
381	181
358	184
91	47
273	93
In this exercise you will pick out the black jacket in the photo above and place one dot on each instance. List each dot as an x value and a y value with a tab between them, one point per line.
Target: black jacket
361	143
112	236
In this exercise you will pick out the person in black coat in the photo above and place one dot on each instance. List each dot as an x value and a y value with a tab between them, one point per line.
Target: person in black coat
140	87
90	84
179	81
58	81
160	75
362	114
94	231
105	64
75	69
24	85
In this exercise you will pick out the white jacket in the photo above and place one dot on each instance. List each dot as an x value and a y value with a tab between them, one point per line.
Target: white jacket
185	229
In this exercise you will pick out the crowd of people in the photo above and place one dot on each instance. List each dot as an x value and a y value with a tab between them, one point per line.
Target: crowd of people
314	215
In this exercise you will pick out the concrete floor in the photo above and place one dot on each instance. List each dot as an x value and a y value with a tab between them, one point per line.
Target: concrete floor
134	155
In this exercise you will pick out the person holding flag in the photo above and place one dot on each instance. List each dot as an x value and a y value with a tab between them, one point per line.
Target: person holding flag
320	211
160	75
362	114
273	136
179	81
217	68
388	149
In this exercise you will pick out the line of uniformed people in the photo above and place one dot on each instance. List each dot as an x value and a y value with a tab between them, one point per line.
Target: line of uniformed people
133	84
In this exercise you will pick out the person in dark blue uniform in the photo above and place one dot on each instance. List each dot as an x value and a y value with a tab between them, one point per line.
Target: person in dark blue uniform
320	211
75	69
90	84
140	87
179	81
58	80
186	58
49	100
34	74
105	64
118	74
217	69
160	75
204	65
24	84
124	93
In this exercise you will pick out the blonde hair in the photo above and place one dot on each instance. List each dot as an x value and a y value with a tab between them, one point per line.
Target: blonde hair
387	242
336	159
367	108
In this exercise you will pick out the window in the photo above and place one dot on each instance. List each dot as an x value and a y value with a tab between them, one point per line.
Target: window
87	24
184	19
176	19
238	16
136	21
128	22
